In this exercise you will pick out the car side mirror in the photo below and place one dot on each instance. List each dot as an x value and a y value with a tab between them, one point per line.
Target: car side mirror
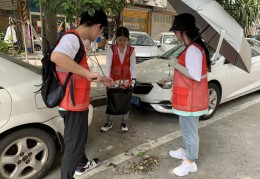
159	45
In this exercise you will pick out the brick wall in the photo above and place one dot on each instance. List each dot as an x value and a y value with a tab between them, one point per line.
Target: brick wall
160	23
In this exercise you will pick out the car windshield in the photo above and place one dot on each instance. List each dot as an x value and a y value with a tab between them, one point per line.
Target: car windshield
141	40
174	52
170	39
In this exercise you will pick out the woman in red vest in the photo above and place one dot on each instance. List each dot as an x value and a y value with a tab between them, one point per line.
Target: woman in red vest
190	90
120	66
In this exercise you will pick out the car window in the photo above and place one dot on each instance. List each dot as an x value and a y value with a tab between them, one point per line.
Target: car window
170	39
174	52
255	47
140	40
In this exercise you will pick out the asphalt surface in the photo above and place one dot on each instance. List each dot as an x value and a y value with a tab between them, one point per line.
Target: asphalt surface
229	144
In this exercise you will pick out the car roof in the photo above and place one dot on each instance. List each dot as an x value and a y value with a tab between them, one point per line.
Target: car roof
137	32
167	33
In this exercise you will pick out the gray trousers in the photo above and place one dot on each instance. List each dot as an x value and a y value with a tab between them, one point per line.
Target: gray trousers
189	131
124	118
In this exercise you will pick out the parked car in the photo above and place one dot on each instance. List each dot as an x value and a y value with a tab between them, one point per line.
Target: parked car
166	41
37	44
226	82
30	133
257	37
145	48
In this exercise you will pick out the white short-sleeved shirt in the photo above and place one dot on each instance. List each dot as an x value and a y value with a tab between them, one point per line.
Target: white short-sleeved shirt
121	56
193	61
69	45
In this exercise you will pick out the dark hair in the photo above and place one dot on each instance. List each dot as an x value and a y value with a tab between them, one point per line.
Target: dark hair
122	31
194	34
99	17
12	23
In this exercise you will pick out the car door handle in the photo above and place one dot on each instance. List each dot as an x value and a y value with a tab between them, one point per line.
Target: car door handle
1	87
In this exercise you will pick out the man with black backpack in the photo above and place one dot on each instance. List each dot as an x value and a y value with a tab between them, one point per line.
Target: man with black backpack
74	106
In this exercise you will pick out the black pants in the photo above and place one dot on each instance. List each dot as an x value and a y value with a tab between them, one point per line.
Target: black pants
75	139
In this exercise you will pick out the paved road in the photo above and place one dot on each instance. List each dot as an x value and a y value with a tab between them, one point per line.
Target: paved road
229	143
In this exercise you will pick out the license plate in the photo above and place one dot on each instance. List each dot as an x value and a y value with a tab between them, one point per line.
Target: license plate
135	100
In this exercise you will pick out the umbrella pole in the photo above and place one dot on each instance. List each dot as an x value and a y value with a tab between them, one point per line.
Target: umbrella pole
216	55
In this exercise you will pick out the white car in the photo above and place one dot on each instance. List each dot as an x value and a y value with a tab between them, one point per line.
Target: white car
226	82
145	48
166	41
30	133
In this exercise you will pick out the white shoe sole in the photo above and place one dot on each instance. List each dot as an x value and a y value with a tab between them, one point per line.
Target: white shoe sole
171	153
105	129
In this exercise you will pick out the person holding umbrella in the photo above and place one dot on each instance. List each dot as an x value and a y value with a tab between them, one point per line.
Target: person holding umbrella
190	90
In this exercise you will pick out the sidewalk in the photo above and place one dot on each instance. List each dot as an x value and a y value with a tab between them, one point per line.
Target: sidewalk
229	148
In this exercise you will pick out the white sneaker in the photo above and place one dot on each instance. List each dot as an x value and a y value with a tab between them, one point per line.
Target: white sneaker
179	154
185	168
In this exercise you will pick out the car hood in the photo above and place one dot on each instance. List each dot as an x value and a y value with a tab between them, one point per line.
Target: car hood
152	70
147	51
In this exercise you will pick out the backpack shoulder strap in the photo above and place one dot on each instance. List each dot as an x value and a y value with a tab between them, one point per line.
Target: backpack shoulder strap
77	58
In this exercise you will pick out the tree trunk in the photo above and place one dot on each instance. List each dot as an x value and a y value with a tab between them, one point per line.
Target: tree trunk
49	27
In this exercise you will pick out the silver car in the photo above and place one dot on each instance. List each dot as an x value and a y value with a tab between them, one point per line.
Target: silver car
166	41
30	133
145	48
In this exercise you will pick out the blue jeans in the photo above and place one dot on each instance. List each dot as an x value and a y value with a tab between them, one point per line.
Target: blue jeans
124	118
189	131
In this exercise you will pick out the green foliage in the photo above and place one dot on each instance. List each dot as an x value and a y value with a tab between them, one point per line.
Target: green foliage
245	12
74	8
3	45
140	154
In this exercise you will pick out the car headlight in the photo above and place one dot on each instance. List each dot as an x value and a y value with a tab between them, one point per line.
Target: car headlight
166	85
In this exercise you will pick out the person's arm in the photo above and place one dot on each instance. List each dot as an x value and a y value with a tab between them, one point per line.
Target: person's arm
66	63
194	62
65	60
132	65
109	61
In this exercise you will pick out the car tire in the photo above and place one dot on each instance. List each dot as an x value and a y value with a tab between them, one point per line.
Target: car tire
26	153
37	47
214	99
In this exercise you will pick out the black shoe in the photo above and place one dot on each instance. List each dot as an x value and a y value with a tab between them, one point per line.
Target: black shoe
106	127
124	127
88	166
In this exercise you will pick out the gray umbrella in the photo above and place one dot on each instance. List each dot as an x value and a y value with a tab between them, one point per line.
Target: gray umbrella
211	18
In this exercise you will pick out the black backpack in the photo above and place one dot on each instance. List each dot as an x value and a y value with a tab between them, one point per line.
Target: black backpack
51	90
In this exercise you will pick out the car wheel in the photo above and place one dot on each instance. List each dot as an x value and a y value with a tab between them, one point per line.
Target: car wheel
26	153
214	99
37	48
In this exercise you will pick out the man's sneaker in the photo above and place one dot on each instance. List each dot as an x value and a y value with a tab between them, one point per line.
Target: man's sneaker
106	127
179	154
81	169
124	127
185	168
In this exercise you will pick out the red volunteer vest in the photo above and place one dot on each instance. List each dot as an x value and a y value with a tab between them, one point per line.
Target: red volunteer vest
189	95
81	86
121	71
